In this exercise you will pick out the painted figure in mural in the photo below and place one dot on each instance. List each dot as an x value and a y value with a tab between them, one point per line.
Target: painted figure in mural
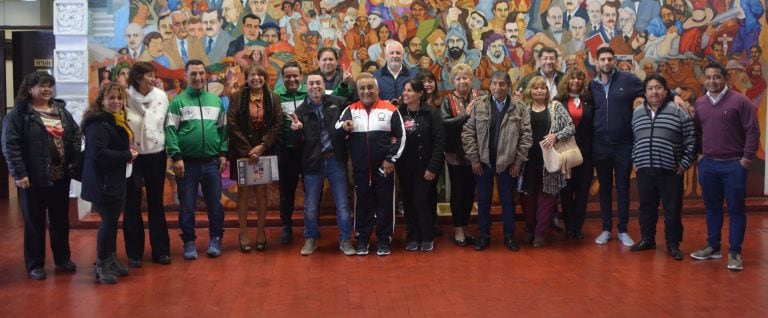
458	51
679	74
249	38
196	30
554	31
360	38
573	8
153	50
412	51
436	52
182	48
134	34
578	28
477	24
494	59
287	21
645	10
594	14
737	78
306	50
376	51
164	27
749	27
216	41
511	40
609	14
232	11
622	42
500	12
757	91
270	33
259	8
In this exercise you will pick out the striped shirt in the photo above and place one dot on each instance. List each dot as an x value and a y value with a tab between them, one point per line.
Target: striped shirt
666	140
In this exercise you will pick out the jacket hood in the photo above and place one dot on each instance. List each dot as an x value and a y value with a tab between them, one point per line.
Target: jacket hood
282	91
95	117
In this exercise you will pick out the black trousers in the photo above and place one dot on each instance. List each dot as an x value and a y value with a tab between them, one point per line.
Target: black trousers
148	172
462	193
613	164
665	186
35	202
289	168
575	195
418	204
106	237
374	204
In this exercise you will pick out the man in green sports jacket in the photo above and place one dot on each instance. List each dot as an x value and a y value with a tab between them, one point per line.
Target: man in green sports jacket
196	140
292	94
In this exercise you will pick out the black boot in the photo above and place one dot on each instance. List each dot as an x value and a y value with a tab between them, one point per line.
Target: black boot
119	269
103	273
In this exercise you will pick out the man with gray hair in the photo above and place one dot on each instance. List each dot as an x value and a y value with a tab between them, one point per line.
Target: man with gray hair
392	76
134	36
622	43
578	30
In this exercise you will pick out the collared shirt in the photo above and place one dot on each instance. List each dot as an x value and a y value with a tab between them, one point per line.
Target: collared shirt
500	103
325	137
606	85
179	46
719	97
551	85
393	73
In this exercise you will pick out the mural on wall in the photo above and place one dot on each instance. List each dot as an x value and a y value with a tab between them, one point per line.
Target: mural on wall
675	38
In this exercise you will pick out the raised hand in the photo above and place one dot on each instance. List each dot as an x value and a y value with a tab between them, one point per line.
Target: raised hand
295	122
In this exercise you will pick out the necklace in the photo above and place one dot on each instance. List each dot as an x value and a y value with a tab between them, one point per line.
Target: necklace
254	97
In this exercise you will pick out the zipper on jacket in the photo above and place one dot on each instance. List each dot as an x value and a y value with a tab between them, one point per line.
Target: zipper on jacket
202	122
368	145
650	137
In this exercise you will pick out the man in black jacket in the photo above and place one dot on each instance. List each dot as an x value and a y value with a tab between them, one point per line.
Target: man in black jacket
323	155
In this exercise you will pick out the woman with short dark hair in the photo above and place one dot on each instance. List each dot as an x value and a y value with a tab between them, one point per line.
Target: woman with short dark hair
145	113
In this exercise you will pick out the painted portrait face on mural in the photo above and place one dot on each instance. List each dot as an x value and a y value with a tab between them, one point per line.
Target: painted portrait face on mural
626	21
593	11
231	10
258	7
500	10
270	35
164	27
555	19
414	46
571	5
211	23
511	33
578	28
251	29
196	29
179	25
608	16
134	34
455	45
495	51
374	20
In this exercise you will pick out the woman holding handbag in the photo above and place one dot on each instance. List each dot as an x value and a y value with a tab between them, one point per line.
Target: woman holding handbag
573	93
550	123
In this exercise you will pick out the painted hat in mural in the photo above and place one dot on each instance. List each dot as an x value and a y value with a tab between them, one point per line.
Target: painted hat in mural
734	65
699	17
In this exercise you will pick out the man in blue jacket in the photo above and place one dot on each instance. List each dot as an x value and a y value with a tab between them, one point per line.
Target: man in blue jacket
392	76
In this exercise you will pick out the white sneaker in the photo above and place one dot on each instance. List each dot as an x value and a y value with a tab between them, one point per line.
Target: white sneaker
625	239
603	238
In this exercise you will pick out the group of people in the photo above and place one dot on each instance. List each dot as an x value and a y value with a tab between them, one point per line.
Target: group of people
393	121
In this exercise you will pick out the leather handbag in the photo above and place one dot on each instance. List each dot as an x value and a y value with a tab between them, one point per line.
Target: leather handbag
564	155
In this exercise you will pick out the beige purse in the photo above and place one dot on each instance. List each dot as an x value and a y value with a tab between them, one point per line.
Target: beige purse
564	155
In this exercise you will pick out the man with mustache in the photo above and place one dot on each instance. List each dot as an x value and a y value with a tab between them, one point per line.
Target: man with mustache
250	36
511	40
548	62
392	76
164	27
554	31
458	52
609	13
412	52
376	139
494	60
214	41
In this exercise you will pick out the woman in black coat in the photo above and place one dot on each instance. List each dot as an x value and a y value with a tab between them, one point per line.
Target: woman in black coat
107	153
419	164
573	93
41	143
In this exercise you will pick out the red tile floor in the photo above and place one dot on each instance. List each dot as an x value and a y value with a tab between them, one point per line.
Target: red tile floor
564	279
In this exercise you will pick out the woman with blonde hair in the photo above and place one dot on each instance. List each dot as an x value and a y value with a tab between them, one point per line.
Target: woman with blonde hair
456	108
107	153
550	122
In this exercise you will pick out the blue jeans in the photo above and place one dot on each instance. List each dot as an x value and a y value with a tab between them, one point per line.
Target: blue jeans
205	174
724	180
505	186
336	173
